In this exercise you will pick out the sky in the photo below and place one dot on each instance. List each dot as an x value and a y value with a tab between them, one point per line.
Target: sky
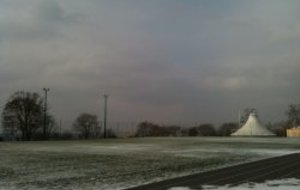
160	60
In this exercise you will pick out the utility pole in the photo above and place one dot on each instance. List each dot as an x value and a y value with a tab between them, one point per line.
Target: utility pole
239	118
105	115
46	90
60	128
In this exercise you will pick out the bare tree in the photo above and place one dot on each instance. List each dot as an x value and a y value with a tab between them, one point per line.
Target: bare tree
87	125
150	129
52	129
52	125
227	129
146	129
293	115
202	130
22	113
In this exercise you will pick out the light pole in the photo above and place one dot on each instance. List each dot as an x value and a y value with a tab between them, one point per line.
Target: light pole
239	118
60	128
46	90
105	115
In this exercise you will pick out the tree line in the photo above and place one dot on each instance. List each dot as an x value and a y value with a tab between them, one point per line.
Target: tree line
226	129
24	118
148	129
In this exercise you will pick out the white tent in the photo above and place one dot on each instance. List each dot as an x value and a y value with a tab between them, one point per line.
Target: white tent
253	128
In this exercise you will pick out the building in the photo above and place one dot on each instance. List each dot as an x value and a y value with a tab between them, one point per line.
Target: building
253	128
293	132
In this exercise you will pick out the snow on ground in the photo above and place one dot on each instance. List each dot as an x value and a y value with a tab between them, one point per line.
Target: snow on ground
280	184
122	163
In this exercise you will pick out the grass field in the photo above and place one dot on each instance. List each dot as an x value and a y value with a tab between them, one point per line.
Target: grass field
121	163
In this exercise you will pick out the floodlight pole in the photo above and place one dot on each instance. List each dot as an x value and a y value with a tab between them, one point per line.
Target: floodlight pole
239	118
60	128
46	90
105	115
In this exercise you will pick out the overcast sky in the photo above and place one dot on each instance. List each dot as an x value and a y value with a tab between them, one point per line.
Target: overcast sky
159	60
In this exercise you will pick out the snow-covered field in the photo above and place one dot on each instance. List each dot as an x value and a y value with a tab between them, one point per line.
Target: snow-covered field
122	163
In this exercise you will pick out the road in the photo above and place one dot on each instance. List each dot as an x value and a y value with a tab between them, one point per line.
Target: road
286	166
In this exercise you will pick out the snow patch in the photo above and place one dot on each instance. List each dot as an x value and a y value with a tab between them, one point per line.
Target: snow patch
280	184
180	188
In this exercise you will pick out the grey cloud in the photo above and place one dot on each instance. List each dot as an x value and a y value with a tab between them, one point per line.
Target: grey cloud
50	11
38	20
158	60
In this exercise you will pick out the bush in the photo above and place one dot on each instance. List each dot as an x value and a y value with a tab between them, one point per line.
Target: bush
149	129
67	135
227	129
110	134
202	130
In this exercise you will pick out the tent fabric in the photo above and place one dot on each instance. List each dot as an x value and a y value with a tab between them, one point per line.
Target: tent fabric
253	128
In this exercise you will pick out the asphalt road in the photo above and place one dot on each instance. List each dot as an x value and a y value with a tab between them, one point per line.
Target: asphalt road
286	166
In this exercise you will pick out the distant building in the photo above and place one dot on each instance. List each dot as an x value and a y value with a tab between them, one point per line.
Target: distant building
293	132
253	128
